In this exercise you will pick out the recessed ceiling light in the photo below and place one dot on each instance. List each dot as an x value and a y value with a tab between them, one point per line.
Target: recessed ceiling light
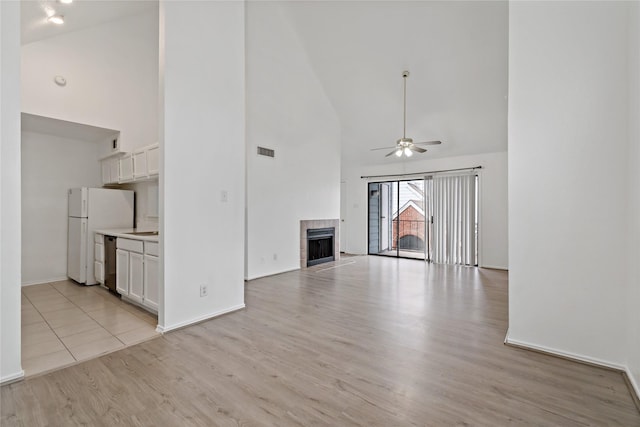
66	1
56	19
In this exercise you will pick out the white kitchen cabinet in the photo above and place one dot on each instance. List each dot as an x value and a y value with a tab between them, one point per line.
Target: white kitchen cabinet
98	270
151	285
98	256
140	164
153	160
137	272
122	272
126	168
110	171
114	170
136	277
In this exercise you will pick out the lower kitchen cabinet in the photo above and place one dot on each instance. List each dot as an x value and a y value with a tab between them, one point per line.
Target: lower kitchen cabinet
136	277
122	272
98	256
137	272
151	285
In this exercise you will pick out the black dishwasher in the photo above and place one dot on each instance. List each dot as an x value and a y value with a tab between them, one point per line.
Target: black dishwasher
110	263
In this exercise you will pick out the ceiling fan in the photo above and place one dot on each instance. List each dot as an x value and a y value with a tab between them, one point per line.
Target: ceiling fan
405	146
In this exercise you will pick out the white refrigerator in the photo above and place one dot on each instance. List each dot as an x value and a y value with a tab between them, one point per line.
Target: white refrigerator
92	209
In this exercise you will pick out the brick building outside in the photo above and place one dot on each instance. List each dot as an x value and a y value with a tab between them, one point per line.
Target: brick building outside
411	229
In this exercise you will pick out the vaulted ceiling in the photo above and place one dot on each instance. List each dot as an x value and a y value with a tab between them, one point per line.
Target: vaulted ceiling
78	15
456	53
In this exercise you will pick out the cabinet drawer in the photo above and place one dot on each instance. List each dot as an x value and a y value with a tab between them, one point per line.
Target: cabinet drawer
98	238
151	248
129	245
98	252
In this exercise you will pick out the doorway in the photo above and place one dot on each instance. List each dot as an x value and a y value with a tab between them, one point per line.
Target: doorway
434	218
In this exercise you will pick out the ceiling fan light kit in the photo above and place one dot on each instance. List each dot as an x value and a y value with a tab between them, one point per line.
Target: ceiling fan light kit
405	146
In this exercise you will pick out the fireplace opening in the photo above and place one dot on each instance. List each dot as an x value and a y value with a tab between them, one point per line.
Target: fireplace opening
320	245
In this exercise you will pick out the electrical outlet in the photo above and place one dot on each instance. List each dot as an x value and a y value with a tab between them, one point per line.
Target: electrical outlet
203	290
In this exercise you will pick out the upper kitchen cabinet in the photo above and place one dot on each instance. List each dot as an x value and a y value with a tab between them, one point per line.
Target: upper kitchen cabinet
145	162
140	169
126	168
141	165
110	170
153	161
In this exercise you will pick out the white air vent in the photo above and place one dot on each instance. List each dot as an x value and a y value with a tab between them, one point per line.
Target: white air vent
266	152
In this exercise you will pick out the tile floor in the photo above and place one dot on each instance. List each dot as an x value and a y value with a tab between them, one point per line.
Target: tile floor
64	323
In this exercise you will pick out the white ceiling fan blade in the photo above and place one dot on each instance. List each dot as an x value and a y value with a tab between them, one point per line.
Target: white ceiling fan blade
416	149
383	148
428	143
392	153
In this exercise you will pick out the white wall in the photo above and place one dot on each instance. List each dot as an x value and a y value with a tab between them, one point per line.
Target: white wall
633	299
568	181
288	111
112	77
50	166
493	247
10	367
203	153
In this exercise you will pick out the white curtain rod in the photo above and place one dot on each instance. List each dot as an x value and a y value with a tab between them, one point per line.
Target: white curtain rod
420	173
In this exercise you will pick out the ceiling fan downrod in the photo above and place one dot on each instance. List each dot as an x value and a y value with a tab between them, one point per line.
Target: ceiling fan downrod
405	74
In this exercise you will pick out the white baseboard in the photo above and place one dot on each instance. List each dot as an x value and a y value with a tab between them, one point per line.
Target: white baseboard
42	281
163	329
260	276
495	267
565	354
12	378
634	383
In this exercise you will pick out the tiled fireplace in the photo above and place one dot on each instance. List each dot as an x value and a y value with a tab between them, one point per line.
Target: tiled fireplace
316	224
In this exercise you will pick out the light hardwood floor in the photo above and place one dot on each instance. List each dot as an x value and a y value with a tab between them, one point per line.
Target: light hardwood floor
373	342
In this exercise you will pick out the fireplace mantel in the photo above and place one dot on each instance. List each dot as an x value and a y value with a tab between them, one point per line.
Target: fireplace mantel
307	224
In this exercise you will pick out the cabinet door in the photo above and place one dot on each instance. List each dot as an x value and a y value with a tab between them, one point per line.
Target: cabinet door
122	272
98	271
153	160
136	276
98	252
126	168
140	164
114	170
151	285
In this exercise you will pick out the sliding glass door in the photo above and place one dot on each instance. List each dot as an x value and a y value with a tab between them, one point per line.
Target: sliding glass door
381	206
397	222
433	219
410	234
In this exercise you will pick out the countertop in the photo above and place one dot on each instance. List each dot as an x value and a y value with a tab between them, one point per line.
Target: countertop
122	232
